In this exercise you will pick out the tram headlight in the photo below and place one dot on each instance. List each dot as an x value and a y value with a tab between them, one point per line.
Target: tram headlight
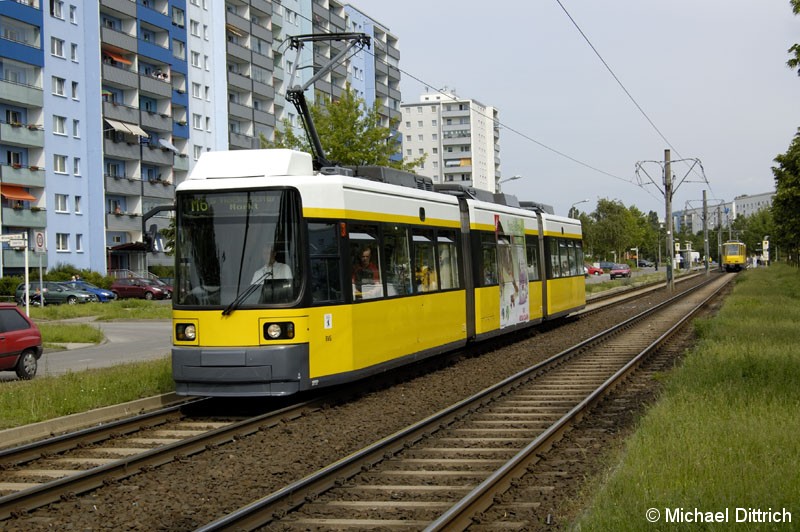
274	330
185	332
282	330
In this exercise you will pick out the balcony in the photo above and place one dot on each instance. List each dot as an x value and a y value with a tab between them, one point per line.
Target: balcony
153	120
238	51
24	176
123	6
181	164
237	140
124	186
120	76
32	217
13	258
240	111
155	155
117	39
23	135
158	189
20	94
123	113
121	150
124	222
158	87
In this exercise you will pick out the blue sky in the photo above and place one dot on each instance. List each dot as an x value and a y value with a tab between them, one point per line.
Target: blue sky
710	75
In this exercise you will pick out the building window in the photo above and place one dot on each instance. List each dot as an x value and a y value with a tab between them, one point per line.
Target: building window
79	242
62	241
198	150
73	14
60	164
59	125
75	90
197	121
195	90
57	9
56	47
61	203
196	59
77	204
73	52
58	86
76	165
194	28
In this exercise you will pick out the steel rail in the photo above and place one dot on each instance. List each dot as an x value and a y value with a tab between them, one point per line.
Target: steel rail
275	505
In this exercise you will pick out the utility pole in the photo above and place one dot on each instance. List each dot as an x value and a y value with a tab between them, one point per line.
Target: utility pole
668	219
719	236
705	231
669	186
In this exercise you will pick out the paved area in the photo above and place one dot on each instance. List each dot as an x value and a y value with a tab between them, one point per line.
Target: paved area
126	341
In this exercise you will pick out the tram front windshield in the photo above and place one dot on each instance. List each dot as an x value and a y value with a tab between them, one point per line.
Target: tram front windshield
237	249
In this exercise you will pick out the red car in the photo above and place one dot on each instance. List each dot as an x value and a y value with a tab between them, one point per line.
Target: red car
588	269
20	342
140	288
620	270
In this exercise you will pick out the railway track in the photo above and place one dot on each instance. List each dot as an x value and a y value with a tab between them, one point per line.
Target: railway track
46	471
439	473
40	473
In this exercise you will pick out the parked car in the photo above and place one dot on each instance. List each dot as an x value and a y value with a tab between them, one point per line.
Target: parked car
605	265
102	294
620	270
138	287
643	263
163	284
20	342
592	270
54	294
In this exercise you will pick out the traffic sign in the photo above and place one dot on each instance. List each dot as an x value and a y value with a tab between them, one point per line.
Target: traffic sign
38	238
10	237
16	243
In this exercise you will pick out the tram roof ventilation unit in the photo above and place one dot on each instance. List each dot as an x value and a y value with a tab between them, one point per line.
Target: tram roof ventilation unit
536	206
393	176
463	191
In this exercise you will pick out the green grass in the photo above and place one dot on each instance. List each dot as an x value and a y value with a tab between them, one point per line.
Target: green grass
24	402
123	309
59	333
725	434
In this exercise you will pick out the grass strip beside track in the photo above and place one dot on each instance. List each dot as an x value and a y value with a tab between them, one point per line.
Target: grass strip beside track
43	398
724	435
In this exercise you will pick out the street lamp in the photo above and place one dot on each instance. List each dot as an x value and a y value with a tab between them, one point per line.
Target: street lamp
573	206
512	178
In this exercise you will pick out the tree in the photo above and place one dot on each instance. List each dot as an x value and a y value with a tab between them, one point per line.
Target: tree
786	204
350	133
794	62
613	229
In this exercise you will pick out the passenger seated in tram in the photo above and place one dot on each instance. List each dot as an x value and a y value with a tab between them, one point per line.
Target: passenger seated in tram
366	276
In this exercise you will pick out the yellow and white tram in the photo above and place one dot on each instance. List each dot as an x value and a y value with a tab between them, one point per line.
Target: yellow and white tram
361	274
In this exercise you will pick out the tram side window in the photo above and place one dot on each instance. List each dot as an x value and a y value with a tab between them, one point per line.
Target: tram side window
578	258
555	259
365	254
448	260
488	260
532	252
326	279
571	257
397	258
424	261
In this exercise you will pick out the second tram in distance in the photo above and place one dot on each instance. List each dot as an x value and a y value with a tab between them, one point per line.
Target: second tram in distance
289	280
734	256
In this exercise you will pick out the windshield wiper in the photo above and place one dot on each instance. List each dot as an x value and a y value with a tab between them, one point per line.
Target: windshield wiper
244	295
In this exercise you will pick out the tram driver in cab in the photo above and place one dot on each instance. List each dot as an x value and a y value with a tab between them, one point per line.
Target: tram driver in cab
366	276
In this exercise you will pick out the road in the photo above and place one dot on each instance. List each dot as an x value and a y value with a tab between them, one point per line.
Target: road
126	341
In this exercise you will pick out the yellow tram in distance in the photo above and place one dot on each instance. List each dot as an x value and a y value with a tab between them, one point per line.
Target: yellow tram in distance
734	256
288	279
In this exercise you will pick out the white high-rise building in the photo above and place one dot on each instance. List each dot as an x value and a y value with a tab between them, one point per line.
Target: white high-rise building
459	137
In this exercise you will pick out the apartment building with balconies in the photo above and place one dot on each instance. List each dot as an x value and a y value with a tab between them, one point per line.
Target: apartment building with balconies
459	137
